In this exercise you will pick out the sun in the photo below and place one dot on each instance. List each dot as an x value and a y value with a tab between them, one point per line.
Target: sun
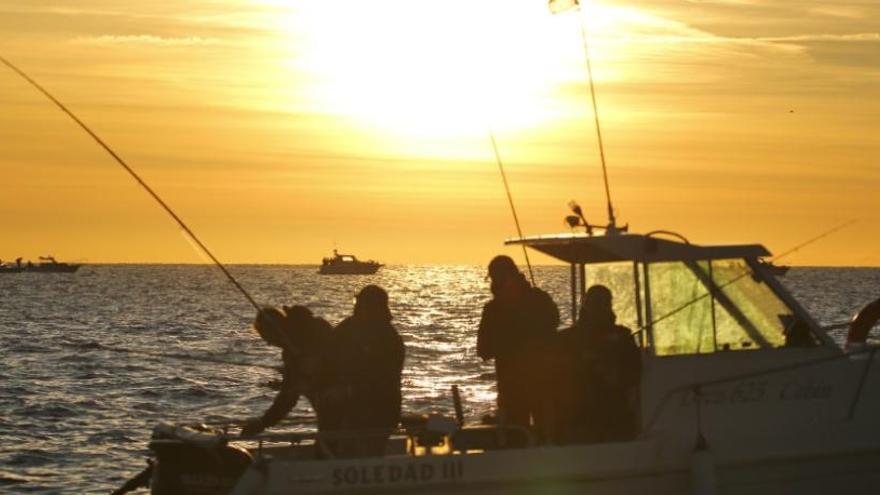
454	69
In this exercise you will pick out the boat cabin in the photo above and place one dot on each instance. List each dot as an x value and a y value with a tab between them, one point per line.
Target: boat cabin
722	339
683	298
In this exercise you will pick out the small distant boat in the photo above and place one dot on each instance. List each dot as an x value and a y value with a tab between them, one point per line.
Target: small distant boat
7	268
47	264
347	264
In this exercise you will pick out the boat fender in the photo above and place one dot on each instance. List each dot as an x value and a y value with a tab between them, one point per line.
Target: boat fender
862	323
703	469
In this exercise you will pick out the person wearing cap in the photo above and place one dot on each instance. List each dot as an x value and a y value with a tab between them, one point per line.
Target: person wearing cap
517	329
369	354
603	369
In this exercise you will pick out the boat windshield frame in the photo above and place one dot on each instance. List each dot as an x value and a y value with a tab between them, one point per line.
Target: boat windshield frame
644	252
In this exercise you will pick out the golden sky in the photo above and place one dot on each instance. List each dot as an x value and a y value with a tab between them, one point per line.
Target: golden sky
278	129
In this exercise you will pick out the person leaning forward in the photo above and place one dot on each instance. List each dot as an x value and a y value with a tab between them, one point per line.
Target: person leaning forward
305	343
516	330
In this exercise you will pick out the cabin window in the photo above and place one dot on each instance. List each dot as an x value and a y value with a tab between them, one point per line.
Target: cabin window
702	306
618	277
681	309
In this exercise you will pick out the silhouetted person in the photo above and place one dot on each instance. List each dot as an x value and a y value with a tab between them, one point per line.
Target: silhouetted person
306	344
369	354
603	373
516	329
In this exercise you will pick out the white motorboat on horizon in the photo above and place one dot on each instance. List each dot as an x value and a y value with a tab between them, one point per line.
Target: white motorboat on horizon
347	264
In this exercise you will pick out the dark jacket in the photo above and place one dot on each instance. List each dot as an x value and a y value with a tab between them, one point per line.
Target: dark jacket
307	371
369	354
601	373
517	333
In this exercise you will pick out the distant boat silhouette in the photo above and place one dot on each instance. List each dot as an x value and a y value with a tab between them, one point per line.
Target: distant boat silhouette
47	264
347	264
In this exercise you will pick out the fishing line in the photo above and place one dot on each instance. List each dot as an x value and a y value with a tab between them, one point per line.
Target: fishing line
137	178
182	357
814	239
510	201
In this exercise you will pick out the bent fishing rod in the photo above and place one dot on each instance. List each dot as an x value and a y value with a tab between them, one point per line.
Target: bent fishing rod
510	201
137	178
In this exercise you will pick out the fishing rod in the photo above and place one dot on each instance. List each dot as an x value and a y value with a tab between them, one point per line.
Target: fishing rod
182	357
510	201
137	178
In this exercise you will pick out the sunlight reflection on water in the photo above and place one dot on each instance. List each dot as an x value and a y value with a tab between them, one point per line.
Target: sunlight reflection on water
77	417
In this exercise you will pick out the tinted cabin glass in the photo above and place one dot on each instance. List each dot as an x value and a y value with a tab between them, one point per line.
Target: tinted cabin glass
701	307
748	313
619	278
681	309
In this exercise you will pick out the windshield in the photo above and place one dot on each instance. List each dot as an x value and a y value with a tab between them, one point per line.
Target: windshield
719	305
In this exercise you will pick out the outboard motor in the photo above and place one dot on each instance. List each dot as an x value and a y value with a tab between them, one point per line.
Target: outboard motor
195	461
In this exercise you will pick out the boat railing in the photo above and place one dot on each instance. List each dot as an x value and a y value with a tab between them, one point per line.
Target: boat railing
444	437
698	387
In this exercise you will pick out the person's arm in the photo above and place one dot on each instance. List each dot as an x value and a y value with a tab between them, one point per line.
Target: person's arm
485	343
631	358
549	310
286	399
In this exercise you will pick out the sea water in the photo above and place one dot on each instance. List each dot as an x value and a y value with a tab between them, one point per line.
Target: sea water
91	361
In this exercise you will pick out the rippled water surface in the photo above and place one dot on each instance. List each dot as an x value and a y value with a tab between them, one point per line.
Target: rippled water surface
75	417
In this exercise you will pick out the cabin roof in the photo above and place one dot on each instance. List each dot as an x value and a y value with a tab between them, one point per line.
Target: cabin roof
581	248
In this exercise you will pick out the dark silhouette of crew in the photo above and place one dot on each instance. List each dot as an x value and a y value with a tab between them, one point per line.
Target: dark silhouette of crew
602	369
517	330
306	347
369	356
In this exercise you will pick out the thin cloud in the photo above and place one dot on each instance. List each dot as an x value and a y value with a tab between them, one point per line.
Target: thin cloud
144	39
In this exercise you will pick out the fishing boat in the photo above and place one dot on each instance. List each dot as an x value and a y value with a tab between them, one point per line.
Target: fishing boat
49	264
347	264
741	392
7	268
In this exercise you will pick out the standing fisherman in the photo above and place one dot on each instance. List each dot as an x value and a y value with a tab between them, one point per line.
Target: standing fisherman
517	330
602	372
369	356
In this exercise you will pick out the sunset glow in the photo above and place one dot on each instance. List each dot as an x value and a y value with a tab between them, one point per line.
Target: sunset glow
277	128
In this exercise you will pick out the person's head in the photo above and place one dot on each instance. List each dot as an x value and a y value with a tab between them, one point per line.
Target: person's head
596	306
269	325
506	277
372	303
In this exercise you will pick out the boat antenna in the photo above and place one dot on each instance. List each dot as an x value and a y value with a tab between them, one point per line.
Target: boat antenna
510	201
137	178
612	222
